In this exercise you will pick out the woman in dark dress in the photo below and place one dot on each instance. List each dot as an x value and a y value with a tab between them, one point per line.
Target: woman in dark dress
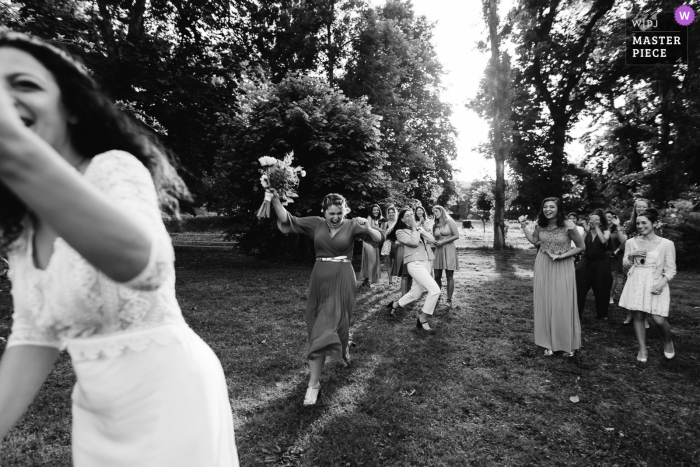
616	246
332	286
593	271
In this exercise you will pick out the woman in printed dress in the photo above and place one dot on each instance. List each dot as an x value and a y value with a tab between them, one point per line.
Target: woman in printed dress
332	288
371	267
557	326
92	271
446	232
652	263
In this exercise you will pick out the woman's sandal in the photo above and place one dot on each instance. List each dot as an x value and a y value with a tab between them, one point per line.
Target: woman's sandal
392	311
311	395
422	325
548	352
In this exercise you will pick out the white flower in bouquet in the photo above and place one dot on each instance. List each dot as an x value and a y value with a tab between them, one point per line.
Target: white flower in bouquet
267	161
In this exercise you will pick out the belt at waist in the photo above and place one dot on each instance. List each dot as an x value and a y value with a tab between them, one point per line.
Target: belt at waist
334	259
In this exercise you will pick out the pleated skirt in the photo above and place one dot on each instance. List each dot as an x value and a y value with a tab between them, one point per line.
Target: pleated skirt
165	406
557	324
329	309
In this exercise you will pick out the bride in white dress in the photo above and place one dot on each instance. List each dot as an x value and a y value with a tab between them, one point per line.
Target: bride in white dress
92	271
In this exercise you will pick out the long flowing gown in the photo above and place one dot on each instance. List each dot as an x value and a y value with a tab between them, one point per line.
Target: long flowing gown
557	325
149	391
371	265
331	297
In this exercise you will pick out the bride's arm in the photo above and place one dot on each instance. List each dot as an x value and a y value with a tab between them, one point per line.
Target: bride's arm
88	220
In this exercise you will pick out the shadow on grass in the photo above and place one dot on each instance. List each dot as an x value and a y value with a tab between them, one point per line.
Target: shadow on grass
477	392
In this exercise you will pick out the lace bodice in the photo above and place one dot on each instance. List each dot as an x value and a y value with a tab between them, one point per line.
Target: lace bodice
70	299
555	239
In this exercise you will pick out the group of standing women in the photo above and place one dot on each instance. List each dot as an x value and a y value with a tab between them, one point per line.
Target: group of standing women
560	285
391	252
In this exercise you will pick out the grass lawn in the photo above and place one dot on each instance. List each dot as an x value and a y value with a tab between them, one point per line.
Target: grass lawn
477	392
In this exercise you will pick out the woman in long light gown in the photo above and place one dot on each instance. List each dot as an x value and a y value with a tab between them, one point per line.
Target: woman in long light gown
331	297
389	247
652	263
92	270
557	326
371	267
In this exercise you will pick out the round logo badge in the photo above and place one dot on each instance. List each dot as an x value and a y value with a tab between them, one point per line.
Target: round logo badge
684	15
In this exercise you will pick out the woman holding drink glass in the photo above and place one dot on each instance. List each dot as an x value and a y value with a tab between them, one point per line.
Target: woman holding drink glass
652	263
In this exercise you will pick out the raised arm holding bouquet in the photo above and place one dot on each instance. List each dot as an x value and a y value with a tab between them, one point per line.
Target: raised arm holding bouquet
280	176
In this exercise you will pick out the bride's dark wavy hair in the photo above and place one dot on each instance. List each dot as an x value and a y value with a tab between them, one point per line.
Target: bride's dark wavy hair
100	127
542	220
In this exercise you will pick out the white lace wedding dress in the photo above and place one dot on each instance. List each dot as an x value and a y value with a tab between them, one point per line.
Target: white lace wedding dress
149	391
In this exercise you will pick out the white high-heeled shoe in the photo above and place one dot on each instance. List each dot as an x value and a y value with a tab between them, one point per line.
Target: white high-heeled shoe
311	395
670	355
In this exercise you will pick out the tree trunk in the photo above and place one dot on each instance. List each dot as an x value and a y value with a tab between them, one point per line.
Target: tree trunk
559	128
105	25
500	109
136	21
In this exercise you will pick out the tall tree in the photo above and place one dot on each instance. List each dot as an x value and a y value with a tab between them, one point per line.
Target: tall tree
494	103
394	66
556	39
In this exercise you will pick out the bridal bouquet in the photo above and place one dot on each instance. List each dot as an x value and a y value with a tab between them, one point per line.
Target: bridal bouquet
280	175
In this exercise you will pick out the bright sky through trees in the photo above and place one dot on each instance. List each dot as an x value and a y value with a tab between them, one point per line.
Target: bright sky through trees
460	25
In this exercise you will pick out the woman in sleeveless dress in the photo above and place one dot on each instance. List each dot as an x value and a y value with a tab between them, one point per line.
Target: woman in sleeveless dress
92	271
557	326
371	267
332	288
652	263
593	271
445	232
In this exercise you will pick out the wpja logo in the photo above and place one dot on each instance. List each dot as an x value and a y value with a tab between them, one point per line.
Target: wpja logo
644	23
658	38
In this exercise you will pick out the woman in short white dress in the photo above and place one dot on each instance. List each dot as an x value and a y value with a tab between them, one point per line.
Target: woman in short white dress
92	271
652	263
